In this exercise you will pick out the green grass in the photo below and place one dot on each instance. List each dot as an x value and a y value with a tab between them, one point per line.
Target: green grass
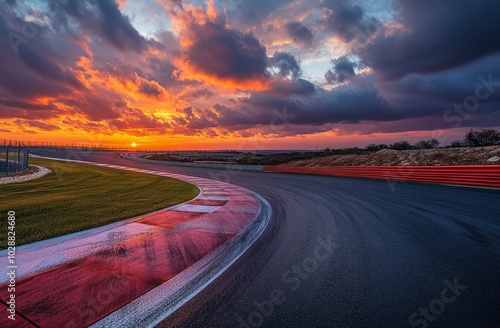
77	197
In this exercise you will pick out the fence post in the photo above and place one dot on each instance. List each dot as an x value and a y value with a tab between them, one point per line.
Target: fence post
18	159
7	161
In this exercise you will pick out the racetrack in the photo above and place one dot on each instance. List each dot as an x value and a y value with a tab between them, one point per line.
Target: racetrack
384	251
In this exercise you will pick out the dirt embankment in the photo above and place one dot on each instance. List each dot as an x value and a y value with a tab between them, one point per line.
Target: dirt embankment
427	157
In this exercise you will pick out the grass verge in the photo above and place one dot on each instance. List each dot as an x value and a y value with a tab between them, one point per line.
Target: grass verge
76	197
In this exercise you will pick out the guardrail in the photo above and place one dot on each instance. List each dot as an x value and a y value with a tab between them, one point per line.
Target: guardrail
221	166
13	159
473	175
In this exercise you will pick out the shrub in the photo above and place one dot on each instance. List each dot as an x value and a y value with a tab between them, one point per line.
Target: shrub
427	144
458	144
401	145
375	147
486	137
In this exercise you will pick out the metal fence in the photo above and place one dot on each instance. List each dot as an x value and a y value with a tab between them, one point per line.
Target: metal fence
13	159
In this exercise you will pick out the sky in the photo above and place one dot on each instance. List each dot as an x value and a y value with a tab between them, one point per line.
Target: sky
245	75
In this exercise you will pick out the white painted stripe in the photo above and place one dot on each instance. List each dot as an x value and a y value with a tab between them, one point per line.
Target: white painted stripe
195	208
149	309
60	250
216	194
213	197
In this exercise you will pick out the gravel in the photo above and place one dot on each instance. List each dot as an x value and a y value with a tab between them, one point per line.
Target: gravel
428	157
42	171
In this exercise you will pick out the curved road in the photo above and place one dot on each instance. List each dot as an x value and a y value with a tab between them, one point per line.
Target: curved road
343	252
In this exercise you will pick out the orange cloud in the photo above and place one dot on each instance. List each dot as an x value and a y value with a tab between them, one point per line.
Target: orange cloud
213	53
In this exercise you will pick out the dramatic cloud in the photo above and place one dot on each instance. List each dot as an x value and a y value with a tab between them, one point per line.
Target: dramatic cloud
421	103
103	17
170	70
212	50
348	21
286	65
342	71
226	53
437	35
37	124
299	33
151	88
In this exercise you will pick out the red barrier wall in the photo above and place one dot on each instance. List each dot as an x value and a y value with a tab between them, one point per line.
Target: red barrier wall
474	175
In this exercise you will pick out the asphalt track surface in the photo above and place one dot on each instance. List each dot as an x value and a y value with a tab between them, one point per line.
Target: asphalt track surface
342	252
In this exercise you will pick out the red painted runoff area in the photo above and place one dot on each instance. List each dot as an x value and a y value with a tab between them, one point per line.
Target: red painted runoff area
79	280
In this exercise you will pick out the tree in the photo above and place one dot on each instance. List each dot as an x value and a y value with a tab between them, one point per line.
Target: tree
458	144
401	145
486	137
427	144
375	147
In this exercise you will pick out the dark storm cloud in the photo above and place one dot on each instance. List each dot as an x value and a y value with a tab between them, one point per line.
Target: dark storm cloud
313	109
151	89
285	64
47	67
13	108
306	113
416	102
226	53
167	42
37	124
31	68
428	59
342	71
439	35
25	105
135	118
160	69
94	107
102	17
294	87
478	81
341	105
218	50
45	64
299	33
16	80
348	21
201	93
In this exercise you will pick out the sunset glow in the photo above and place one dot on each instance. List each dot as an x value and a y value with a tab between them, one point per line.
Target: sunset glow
243	74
